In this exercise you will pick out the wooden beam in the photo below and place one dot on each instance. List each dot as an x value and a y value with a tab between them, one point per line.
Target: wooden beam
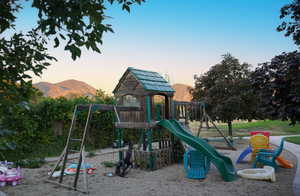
135	125
104	107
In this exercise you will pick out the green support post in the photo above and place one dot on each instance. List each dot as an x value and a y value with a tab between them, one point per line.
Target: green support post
119	142
149	131
158	118
119	136
148	118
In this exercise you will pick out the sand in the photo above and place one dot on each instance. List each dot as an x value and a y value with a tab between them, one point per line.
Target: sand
169	181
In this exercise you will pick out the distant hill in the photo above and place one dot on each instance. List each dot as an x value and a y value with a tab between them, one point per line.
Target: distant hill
75	88
182	92
67	88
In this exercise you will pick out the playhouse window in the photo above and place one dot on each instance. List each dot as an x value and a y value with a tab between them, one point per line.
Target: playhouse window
129	100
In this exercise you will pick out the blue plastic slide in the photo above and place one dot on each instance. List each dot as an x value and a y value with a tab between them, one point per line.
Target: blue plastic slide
247	151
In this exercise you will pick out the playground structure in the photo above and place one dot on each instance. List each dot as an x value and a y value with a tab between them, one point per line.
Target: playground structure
139	88
161	133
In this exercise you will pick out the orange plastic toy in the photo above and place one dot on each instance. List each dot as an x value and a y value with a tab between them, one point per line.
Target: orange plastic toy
284	163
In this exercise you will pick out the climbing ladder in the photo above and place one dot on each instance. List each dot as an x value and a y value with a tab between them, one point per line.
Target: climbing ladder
68	149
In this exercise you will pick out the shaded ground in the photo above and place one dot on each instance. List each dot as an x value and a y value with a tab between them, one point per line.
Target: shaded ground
165	182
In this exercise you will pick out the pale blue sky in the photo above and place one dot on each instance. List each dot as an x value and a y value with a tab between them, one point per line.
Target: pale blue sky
178	38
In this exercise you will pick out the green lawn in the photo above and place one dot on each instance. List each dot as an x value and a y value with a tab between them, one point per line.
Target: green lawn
275	127
295	140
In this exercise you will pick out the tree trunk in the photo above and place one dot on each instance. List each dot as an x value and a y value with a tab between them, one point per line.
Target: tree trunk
230	128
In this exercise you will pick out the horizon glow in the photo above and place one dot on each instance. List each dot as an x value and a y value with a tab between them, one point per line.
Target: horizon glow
173	38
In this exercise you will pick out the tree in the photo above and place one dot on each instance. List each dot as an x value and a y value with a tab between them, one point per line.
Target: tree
291	25
226	89
278	82
75	24
278	85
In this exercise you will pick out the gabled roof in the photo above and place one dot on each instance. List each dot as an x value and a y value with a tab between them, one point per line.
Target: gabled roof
149	80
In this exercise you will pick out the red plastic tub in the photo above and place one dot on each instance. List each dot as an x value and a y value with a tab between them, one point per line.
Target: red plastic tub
265	133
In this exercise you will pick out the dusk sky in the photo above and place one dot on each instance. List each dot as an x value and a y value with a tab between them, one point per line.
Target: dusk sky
178	38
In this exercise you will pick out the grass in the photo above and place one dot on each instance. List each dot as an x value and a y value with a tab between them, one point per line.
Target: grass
243	128
295	139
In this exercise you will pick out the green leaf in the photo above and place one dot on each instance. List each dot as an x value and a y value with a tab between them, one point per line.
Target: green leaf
126	7
62	36
11	145
6	132
56	41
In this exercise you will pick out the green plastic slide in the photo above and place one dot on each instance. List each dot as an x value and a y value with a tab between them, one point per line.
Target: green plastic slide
223	163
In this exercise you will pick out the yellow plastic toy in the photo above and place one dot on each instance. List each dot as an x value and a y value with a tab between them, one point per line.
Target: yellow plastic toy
258	142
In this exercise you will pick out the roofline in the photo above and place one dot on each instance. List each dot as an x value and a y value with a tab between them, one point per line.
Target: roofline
122	78
132	68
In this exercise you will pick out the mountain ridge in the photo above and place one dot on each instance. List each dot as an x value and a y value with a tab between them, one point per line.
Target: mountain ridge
67	88
74	88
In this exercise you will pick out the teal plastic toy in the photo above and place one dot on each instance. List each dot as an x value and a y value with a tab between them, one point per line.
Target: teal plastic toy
196	164
268	157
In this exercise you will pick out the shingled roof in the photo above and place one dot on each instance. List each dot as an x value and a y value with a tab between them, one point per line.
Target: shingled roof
148	80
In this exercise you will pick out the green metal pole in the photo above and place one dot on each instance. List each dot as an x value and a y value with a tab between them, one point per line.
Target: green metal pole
148	118
158	118
149	131
119	142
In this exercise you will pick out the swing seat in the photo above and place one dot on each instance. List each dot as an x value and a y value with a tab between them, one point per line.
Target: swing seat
196	164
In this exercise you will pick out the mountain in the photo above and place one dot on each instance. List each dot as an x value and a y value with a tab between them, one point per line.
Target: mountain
182	92
75	88
67	88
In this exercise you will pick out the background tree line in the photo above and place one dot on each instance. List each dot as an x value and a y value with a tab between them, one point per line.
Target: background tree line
232	91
